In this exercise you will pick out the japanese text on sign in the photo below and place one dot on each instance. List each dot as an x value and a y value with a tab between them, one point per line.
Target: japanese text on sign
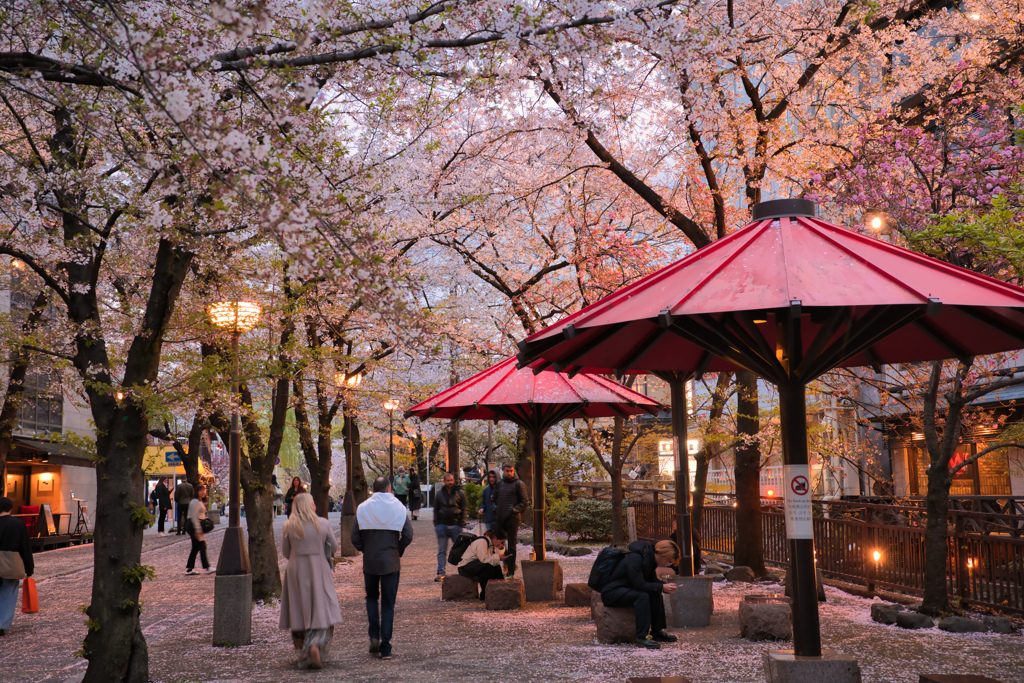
798	501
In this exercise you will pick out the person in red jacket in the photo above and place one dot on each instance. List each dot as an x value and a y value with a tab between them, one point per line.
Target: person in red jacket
15	562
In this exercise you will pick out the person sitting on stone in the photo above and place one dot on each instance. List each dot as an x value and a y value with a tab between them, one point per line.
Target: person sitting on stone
482	559
634	583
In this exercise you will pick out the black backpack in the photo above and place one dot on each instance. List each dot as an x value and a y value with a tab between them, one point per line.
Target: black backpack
601	573
462	541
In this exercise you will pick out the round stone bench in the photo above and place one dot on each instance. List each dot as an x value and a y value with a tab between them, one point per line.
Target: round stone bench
577	595
614	624
766	620
458	587
505	595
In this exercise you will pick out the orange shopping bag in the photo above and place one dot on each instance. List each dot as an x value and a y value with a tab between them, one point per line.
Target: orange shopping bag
29	599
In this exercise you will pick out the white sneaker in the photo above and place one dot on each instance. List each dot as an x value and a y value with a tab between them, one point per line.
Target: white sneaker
160	533
210	570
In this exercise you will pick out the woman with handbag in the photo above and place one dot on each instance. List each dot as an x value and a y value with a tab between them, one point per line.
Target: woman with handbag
15	562
309	600
197	526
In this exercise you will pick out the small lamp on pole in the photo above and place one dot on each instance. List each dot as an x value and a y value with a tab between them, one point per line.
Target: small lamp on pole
390	405
234	317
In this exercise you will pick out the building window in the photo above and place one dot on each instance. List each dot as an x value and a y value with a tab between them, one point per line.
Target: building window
41	410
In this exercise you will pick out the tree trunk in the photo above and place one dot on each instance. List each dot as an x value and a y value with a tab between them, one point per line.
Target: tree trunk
259	520
618	524
617	457
114	644
936	544
749	550
360	491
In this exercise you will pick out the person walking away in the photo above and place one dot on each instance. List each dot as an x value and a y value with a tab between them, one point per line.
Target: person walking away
510	500
309	600
486	511
15	562
162	499
382	531
482	559
182	499
194	522
450	509
634	583
415	494
401	486
278	495
295	489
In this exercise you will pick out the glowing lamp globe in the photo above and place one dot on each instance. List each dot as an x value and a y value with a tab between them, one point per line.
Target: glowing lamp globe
390	404
348	381
234	316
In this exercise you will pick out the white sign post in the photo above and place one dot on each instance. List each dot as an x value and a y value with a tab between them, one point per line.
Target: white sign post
798	501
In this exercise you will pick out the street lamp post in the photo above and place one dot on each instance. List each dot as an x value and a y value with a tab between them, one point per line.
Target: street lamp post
390	405
232	602
348	382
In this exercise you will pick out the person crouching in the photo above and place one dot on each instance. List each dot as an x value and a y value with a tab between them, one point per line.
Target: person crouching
634	583
482	559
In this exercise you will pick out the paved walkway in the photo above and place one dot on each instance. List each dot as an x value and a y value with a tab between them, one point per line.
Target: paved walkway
437	641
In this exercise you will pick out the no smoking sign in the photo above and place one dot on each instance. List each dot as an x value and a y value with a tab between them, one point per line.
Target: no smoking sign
799	522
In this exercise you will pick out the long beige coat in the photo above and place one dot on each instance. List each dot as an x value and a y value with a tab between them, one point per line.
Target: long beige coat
309	599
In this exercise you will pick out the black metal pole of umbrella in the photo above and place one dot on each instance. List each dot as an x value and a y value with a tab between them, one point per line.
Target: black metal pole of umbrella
677	386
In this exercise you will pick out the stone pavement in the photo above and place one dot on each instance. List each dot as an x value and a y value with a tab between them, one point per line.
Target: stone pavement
437	641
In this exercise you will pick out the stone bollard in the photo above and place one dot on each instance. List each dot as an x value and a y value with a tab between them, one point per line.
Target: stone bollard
542	579
692	604
577	595
614	624
459	587
505	595
783	666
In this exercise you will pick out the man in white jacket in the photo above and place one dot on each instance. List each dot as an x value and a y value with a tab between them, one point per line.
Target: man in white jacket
382	531
482	559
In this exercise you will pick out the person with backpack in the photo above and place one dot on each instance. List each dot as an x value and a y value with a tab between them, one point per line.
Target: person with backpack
482	560
450	509
634	583
486	511
510	500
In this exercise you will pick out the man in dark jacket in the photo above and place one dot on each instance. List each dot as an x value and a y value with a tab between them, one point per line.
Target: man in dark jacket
634	583
15	561
161	498
450	509
182	498
510	500
382	531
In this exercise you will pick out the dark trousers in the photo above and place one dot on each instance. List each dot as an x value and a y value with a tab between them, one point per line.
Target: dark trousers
160	520
404	497
198	548
648	608
481	572
510	525
385	588
182	517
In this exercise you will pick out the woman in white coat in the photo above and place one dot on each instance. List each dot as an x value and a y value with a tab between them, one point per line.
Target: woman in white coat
309	601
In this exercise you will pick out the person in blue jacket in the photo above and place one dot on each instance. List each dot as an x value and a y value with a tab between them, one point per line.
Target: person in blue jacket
487	513
634	583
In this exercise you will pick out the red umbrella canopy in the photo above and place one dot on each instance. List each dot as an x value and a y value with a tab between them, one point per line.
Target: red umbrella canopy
788	296
504	392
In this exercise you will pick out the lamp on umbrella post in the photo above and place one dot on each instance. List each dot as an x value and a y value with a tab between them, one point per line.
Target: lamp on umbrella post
390	405
232	603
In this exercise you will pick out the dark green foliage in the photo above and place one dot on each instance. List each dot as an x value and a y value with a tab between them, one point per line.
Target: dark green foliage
586	519
474	495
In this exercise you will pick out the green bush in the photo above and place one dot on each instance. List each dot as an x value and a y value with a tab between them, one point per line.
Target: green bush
557	502
585	518
474	493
